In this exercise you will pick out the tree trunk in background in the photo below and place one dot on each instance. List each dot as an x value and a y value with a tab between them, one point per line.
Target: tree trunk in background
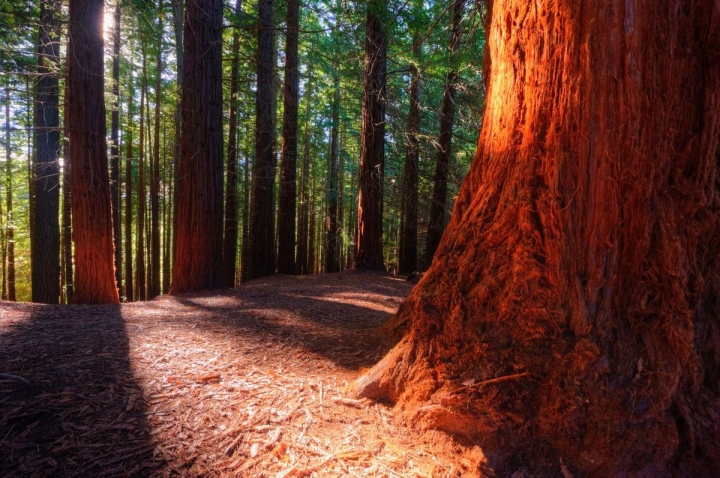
311	230
303	209
332	263
155	251
288	165
340	212
140	272
91	207
369	253
9	285
66	213
45	250
178	11
198	256
571	311
262	227
407	261
129	290
436	221
230	238
245	251
114	149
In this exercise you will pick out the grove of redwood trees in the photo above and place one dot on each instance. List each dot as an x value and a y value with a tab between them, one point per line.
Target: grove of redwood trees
571	314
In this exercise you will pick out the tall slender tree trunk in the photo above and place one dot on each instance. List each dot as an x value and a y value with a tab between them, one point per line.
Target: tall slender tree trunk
45	250
155	251
178	15
245	255
66	213
167	219
369	249
436	222
9	220
571	310
332	263
407	261
198	257
288	165
230	238
262	235
303	221
92	210
129	290
311	230
114	148
140	272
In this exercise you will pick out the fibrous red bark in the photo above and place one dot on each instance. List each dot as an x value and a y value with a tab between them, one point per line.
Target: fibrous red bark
91	210
198	253
571	310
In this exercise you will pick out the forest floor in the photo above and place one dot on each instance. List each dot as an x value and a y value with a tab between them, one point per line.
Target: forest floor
253	381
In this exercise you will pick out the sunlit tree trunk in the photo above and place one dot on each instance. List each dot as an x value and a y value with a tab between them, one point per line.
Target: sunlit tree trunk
91	206
198	255
571	311
369	253
436	221
230	237
262	223
303	209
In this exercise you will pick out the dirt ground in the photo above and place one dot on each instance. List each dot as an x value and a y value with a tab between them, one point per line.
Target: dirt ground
253	381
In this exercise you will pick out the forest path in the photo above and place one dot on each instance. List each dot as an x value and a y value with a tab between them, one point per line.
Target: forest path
245	382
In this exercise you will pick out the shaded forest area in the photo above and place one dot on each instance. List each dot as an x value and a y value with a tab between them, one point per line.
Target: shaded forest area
288	137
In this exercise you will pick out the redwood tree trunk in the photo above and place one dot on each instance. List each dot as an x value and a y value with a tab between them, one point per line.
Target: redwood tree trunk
198	253
262	224
368	247
45	251
9	220
91	208
140	263
436	221
571	310
288	186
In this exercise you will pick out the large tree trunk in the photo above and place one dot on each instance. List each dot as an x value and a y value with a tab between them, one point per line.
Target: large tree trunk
407	261
436	221
368	246
571	310
114	148
231	190
66	213
45	251
91	208
262	224
178	11
198	255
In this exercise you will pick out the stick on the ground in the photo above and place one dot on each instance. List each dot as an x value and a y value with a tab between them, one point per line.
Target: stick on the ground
10	376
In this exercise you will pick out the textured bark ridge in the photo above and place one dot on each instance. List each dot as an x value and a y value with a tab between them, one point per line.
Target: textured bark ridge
571	311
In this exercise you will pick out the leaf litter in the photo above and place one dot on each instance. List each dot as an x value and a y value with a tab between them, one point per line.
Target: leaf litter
253	381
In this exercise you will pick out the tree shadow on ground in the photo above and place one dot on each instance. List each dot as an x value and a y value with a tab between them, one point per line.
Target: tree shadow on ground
347	333
81	412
